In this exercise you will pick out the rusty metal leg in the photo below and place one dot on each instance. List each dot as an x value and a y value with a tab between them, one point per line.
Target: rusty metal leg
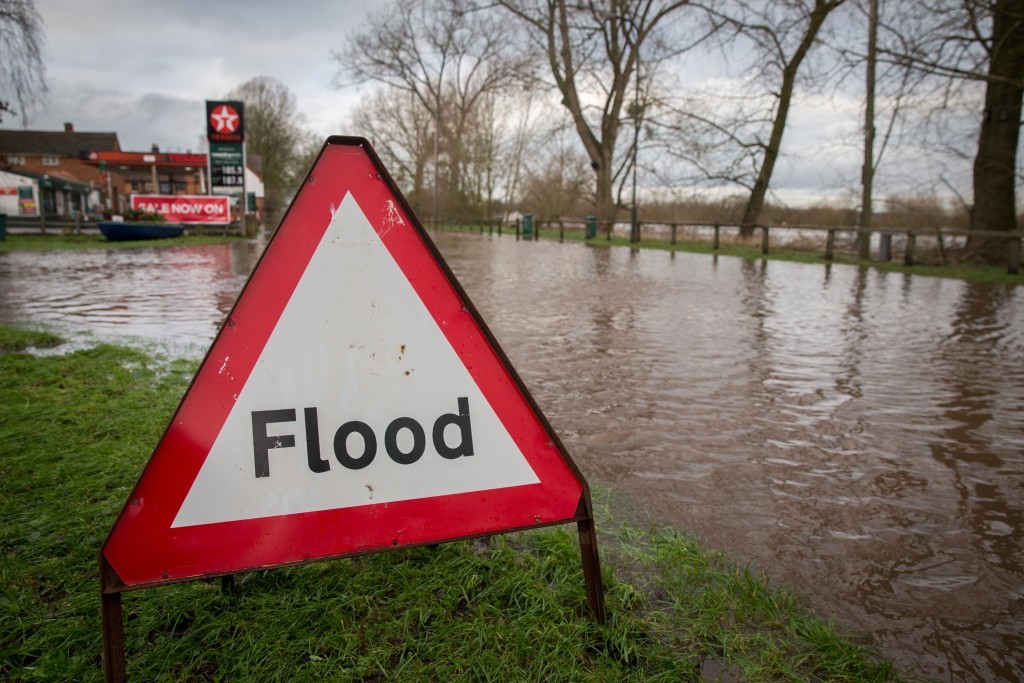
113	638
592	568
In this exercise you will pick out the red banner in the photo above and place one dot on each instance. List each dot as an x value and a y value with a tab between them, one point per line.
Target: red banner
185	208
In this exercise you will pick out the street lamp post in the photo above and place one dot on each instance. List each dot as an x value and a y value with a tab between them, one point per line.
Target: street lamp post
634	226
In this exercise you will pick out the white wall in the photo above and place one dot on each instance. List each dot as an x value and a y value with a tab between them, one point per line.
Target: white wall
9	202
253	183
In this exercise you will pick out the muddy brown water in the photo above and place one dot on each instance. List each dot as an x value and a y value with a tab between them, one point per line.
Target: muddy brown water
857	435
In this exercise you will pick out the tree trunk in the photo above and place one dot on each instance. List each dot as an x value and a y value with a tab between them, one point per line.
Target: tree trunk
996	161
755	203
604	199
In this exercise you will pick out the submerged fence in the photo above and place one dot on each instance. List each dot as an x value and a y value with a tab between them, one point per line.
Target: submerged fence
908	244
64	225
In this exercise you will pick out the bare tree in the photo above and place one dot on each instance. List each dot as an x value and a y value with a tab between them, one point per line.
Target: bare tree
783	34
594	50
273	130
729	130
957	45
22	72
402	131
449	59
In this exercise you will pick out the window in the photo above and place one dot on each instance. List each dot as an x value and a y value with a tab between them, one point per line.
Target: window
16	160
51	161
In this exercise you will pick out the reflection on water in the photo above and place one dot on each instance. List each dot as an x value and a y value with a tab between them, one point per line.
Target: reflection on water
176	295
856	434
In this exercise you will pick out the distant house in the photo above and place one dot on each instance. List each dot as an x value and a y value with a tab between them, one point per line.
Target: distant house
64	181
66	172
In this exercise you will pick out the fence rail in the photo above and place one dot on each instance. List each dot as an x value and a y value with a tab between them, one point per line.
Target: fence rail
910	238
784	235
62	225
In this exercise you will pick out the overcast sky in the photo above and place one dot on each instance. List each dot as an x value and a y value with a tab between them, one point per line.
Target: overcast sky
144	69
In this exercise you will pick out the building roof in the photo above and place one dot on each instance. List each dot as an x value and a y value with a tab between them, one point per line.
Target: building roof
54	182
56	143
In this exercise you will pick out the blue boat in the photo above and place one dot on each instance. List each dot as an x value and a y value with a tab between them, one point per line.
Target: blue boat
121	232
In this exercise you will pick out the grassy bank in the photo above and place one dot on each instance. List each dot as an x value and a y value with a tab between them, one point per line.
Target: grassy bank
752	250
97	241
75	432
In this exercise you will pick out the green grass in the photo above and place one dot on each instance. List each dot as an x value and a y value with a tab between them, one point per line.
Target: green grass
75	432
15	339
752	250
60	241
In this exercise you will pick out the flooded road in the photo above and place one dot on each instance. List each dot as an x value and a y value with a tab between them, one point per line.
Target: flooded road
175	298
857	435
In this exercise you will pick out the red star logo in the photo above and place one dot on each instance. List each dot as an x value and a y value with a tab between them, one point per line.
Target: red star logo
224	119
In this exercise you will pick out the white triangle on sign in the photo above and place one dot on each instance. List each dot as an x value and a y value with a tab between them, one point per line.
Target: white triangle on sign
356	343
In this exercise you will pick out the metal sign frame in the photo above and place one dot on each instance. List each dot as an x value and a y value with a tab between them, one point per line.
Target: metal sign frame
112	585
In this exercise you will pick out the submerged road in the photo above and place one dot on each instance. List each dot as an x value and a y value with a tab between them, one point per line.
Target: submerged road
857	435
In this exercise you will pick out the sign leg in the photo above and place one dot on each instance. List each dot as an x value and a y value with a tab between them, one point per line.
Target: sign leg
113	638
592	568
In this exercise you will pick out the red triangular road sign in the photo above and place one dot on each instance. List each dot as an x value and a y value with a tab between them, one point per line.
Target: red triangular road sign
354	401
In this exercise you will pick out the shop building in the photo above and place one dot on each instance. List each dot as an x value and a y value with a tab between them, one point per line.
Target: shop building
71	172
55	160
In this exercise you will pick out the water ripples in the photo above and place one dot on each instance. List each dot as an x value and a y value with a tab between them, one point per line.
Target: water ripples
857	434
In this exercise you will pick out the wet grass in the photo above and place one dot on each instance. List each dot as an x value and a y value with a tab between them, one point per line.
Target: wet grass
97	241
75	432
752	250
15	339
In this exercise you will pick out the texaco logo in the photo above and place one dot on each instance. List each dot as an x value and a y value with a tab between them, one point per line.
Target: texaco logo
224	119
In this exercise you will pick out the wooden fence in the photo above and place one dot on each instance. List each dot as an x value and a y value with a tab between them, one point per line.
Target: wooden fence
909	241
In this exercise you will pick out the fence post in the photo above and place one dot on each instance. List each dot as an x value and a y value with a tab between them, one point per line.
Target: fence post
885	246
908	255
673	233
830	245
716	243
764	240
1013	256
42	221
561	230
517	230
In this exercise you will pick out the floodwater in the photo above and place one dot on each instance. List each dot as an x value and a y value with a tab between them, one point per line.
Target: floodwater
857	435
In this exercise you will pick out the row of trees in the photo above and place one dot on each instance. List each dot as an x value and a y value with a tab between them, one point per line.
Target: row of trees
479	104
475	102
